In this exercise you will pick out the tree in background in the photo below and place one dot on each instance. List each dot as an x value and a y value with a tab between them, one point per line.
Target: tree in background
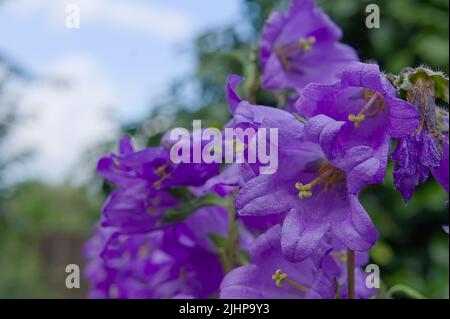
42	228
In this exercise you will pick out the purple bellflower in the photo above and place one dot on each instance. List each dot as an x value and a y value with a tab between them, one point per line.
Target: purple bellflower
414	157
426	149
179	260
302	46
357	116
143	180
270	276
314	193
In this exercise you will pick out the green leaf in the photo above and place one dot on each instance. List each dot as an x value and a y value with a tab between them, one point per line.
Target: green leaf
181	193
185	209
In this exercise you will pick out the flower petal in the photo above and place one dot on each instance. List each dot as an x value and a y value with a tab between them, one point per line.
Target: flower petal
353	227
403	118
230	89
301	234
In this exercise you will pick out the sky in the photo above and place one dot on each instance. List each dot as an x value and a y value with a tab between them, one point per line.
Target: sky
124	54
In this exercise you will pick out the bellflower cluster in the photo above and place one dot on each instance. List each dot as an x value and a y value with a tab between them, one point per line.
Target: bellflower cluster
230	230
143	180
271	276
159	264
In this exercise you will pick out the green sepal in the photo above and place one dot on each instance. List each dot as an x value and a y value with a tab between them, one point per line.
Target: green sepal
409	76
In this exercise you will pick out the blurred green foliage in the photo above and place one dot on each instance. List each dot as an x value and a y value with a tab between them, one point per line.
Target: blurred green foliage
43	228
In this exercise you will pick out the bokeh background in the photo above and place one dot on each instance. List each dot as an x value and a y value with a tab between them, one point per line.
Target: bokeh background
140	67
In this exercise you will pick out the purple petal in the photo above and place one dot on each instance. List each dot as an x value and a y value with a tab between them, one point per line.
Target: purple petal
413	158
353	227
359	74
302	232
403	118
441	174
232	97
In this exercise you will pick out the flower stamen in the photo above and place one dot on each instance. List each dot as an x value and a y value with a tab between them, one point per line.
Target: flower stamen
161	172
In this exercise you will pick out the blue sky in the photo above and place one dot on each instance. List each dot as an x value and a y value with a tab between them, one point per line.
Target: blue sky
125	53
140	60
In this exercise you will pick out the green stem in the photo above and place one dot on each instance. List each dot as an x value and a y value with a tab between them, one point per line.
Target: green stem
351	273
233	236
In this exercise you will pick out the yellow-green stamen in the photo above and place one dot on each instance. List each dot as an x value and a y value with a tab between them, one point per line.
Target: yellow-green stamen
161	172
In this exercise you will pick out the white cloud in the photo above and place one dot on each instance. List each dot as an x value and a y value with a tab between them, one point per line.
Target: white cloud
64	114
149	18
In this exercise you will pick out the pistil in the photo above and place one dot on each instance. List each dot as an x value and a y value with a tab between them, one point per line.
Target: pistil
306	44
303	45
280	277
371	98
328	175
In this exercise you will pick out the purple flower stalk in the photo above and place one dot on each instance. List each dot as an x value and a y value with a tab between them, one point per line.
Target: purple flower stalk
302	47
